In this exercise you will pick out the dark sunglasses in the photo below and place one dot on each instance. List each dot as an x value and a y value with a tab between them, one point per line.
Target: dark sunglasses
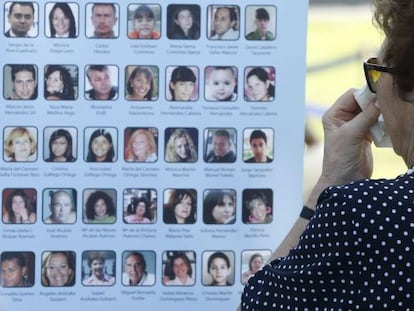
373	71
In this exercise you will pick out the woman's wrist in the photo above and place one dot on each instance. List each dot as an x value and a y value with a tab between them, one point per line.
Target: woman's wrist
307	212
312	200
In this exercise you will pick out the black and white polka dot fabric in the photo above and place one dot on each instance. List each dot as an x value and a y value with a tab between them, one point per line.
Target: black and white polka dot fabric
357	253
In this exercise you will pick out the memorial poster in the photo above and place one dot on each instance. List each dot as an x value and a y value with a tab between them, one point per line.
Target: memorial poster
151	152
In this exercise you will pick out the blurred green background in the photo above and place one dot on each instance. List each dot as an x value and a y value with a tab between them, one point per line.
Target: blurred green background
340	37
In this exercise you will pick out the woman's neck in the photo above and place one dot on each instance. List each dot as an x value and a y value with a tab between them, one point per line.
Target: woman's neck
183	279
59	159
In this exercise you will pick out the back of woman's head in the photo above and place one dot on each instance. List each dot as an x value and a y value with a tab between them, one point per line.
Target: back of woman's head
396	19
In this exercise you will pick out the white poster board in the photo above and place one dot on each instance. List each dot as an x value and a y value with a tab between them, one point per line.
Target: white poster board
126	183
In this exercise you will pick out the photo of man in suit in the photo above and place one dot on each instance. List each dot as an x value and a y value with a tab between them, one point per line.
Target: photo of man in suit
20	18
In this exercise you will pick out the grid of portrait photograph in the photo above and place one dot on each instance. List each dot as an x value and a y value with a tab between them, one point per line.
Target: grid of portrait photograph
65	144
103	20
146	206
137	144
137	267
142	83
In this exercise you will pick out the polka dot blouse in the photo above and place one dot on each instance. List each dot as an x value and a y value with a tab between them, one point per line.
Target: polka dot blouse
357	253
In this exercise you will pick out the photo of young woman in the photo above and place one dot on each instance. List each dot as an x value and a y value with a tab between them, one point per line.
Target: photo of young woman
101	144
61	144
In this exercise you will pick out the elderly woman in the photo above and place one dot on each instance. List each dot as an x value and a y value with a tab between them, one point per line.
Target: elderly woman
353	244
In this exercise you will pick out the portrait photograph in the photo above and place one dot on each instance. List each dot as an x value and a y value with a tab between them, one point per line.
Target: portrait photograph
258	145
139	206
180	206
218	268
61	82
58	268
98	268
100	144
183	21
102	20
141	144
179	268
182	83
21	265
20	82
62	20
253	261
101	82
141	83
257	206
223	22
139	268
60	144
144	21
260	22
219	206
220	145
19	206
99	206
181	145
21	19
259	84
20	144
59	205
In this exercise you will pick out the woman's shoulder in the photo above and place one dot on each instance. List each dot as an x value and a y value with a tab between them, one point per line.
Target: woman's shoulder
372	197
399	185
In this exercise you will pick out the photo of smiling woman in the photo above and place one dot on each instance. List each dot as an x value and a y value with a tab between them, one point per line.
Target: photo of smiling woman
182	85
101	144
141	144
58	268
98	268
181	145
20	144
19	206
141	83
99	206
179	268
259	84
62	19
59	83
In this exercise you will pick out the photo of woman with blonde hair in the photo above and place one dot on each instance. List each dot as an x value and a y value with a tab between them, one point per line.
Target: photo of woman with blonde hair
181	145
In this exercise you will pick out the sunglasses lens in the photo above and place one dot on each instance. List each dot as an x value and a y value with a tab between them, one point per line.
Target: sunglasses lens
374	75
